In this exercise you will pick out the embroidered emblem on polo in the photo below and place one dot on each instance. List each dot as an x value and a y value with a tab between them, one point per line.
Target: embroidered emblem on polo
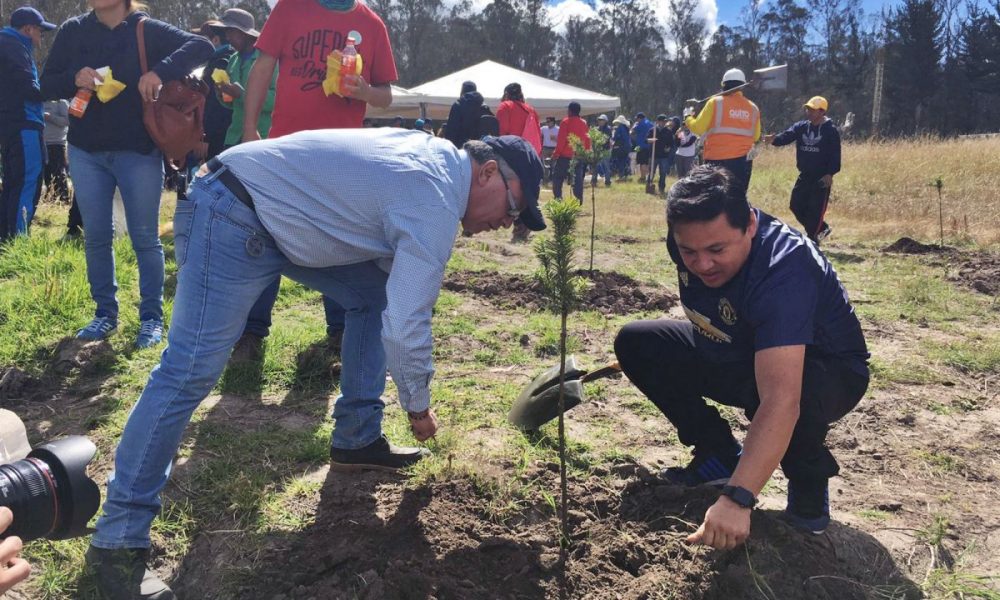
703	325
727	312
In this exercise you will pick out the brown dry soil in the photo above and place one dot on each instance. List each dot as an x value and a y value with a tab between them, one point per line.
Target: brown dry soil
374	538
979	271
606	292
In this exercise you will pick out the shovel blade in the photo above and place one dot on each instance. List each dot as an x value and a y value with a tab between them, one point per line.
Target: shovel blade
534	411
539	402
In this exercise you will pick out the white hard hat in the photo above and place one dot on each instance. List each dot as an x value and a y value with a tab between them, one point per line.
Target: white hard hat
602	118
734	75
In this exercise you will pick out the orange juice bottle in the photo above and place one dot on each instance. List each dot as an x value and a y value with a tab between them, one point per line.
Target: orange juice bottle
348	60
78	105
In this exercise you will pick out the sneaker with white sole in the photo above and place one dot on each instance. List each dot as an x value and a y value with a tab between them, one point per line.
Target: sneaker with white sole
706	468
98	329
808	506
150	333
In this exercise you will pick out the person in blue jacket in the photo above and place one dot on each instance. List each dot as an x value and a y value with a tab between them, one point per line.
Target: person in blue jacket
110	148
817	156
21	121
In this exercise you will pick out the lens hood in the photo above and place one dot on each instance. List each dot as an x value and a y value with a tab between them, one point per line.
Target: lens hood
78	496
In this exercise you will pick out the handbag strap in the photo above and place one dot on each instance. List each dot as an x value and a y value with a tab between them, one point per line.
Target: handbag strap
140	33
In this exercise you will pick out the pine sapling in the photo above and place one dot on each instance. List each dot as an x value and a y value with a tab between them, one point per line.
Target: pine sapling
599	151
562	291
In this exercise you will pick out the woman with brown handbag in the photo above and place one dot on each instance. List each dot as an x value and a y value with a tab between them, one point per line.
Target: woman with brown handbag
110	148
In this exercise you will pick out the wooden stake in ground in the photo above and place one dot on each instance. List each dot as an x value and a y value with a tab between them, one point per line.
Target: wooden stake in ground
939	184
562	290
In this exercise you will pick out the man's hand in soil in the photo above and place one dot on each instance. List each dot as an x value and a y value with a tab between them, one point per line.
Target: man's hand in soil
423	424
725	527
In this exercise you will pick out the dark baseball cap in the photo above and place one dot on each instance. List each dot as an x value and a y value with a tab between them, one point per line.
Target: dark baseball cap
661	117
29	16
523	159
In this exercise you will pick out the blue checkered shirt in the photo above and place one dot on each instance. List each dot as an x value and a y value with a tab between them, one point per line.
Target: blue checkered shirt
338	197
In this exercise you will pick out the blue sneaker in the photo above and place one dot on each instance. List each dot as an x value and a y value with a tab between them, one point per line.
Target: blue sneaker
704	469
150	333
808	507
98	329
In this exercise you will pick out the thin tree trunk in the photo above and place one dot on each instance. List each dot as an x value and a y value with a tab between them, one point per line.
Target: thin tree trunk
563	514
593	225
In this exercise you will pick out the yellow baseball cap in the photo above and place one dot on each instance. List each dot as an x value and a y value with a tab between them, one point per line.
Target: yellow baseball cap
817	103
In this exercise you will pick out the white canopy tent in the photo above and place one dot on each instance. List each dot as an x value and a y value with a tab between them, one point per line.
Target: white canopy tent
411	105
549	97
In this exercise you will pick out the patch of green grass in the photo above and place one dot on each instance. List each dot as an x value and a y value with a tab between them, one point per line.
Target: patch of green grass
903	370
974	353
941	462
873	514
947	584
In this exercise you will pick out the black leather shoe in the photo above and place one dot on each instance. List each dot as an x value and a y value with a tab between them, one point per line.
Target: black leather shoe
122	574
379	455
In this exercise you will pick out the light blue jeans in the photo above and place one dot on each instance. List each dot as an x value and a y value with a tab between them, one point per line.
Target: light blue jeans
140	179
226	259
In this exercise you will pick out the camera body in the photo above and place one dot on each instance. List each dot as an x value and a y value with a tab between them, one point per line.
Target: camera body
47	488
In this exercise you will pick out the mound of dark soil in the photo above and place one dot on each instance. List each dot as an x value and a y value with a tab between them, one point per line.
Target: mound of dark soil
375	539
980	272
906	245
610	293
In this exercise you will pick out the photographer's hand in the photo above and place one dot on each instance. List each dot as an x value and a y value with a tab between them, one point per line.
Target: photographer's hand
13	568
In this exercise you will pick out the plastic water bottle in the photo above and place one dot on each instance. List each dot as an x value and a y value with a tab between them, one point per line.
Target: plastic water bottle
348	60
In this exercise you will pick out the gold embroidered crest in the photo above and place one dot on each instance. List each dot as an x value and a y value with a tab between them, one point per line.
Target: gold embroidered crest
727	312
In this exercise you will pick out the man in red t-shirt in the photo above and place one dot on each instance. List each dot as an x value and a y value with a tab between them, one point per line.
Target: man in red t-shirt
297	38
572	125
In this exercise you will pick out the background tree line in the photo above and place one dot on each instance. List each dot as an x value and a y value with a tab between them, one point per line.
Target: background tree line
941	57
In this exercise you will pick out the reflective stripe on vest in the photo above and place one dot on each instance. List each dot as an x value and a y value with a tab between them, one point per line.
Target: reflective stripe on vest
726	139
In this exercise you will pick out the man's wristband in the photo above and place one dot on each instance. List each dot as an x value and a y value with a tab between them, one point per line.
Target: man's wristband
741	496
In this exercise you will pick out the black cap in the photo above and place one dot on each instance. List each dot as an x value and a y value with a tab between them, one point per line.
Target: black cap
523	159
640	115
29	16
661	117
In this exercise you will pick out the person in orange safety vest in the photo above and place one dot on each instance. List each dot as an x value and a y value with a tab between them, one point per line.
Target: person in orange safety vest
730	125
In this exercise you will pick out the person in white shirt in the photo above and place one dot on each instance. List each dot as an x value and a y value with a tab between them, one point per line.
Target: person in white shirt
550	135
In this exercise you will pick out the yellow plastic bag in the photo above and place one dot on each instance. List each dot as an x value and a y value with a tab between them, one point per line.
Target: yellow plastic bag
220	76
331	85
108	89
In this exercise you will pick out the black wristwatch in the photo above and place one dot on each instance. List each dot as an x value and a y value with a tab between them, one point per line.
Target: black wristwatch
740	496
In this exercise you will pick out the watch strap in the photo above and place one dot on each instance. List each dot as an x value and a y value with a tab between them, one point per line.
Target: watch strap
740	496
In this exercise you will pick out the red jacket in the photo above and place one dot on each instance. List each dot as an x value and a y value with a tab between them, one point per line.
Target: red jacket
571	126
513	116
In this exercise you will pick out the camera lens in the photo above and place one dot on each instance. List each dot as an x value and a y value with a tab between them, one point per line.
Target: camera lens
49	491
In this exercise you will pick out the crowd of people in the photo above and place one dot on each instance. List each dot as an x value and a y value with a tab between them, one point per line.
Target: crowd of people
297	182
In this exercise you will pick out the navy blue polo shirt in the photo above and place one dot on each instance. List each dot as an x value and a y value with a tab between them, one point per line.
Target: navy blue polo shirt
787	294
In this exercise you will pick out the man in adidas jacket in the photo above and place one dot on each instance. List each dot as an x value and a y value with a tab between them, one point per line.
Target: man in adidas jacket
817	156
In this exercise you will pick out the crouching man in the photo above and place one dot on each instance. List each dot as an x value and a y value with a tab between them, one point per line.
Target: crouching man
368	218
769	330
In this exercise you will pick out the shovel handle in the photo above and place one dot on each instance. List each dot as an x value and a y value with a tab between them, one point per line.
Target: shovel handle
603	372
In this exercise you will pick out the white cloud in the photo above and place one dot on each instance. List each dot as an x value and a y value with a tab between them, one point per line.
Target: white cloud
563	10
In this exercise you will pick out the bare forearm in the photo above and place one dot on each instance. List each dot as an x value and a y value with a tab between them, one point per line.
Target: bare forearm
380	96
258	82
765	444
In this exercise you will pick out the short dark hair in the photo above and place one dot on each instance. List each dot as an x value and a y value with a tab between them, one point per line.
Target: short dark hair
707	192
574	109
513	92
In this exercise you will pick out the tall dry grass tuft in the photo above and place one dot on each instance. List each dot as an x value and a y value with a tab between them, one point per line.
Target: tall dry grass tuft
886	189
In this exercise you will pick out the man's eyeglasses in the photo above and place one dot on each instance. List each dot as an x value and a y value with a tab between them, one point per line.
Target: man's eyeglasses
513	211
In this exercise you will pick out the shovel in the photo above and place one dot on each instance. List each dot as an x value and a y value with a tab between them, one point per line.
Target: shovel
768	78
539	402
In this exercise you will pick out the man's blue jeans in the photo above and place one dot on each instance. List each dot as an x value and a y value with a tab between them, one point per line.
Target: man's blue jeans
140	179
226	259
